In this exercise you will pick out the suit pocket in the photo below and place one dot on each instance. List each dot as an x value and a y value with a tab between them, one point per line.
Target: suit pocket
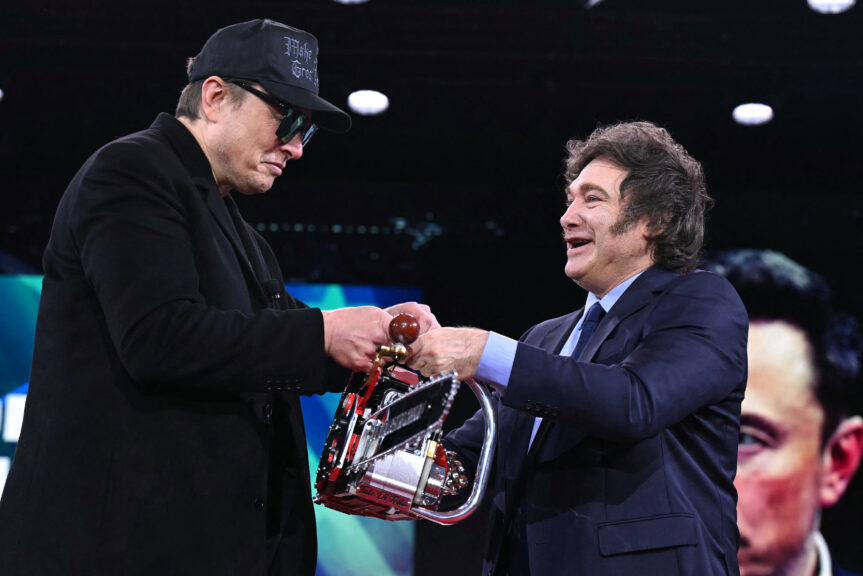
647	534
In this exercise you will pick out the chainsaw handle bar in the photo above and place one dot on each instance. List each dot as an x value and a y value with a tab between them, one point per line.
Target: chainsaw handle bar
483	467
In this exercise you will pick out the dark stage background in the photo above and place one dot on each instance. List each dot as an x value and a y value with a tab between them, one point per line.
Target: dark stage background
457	188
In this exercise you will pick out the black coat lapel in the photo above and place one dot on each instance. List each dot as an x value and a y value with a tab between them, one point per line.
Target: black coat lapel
220	213
193	158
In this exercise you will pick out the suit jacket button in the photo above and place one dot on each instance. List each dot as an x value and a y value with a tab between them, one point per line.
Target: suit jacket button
267	412
259	504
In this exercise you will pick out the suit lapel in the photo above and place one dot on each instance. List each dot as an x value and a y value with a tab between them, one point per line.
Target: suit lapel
558	335
522	451
634	299
193	158
553	439
552	340
556	439
219	210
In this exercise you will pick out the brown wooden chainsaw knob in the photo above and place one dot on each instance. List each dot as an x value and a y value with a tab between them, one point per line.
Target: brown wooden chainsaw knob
404	328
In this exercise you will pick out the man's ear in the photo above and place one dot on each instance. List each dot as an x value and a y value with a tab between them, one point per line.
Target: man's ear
654	229
214	95
841	459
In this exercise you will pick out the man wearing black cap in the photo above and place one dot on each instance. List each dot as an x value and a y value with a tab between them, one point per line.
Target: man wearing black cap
163	432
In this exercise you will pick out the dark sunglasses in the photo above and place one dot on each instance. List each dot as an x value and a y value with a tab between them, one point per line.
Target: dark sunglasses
293	122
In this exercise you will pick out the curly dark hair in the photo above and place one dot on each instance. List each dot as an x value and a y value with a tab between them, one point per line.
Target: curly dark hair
775	288
664	184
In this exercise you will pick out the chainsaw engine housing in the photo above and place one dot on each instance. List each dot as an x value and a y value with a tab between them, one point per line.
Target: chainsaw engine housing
383	456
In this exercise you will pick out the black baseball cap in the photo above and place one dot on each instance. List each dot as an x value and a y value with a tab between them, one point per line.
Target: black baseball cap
282	59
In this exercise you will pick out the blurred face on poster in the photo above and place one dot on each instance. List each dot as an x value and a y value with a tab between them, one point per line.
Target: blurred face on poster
787	470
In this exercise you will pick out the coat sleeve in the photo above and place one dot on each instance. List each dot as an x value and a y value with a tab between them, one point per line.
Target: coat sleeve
132	232
690	352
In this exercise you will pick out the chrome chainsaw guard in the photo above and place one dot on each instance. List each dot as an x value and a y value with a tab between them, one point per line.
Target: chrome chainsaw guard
483	466
360	474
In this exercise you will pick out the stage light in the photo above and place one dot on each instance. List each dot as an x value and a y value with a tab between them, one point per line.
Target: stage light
831	6
1	94
368	102
752	114
351	1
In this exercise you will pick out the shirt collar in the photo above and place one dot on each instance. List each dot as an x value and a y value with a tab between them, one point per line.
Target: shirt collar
825	566
613	295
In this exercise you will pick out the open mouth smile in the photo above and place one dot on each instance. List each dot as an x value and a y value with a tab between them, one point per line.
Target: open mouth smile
576	242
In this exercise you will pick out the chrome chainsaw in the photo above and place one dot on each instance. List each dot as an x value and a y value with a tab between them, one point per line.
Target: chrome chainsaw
383	457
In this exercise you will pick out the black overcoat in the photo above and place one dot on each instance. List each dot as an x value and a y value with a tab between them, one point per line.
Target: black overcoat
162	432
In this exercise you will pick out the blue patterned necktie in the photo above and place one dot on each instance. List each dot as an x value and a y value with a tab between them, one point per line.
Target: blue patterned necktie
594	316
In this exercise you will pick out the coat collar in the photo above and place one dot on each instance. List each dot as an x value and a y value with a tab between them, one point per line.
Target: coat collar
187	149
636	297
193	158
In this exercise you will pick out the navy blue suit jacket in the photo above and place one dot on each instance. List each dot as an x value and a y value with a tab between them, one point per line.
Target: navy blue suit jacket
635	474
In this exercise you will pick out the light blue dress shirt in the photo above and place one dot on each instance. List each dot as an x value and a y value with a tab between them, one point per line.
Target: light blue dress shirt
498	356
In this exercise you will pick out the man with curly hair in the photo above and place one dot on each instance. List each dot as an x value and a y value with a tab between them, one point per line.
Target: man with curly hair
618	423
